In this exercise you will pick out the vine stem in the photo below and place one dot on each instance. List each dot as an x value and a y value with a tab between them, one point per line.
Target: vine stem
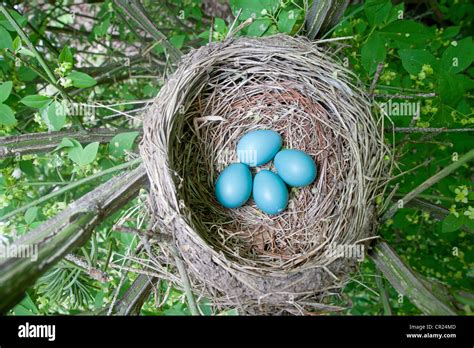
185	280
428	183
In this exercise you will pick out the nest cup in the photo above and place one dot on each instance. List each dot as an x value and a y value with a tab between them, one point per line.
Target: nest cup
242	257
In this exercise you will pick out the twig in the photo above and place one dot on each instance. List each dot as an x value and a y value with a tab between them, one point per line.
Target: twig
427	130
71	186
376	79
428	183
185	280
437	211
383	292
405	96
160	237
93	272
241	26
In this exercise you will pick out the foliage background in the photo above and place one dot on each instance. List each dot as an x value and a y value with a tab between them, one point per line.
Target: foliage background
91	53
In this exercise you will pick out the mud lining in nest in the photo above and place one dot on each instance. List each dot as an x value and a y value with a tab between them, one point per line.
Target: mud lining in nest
242	257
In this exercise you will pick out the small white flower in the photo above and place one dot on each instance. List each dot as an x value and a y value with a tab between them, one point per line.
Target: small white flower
17	173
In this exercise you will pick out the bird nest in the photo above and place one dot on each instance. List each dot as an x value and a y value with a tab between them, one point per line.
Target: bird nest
243	257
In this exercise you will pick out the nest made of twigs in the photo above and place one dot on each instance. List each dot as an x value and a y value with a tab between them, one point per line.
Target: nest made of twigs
243	257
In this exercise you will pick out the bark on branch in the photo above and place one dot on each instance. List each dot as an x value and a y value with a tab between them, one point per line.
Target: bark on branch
17	145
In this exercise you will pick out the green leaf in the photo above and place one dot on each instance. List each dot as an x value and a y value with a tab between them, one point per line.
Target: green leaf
21	21
26	74
396	13
178	40
377	11
17	44
451	223
5	90
469	223
258	27
66	56
121	142
27	167
26	307
83	156
26	52
253	8
451	88
102	27
220	26
373	53
459	56
7	116
31	214
407	33
81	80
5	39
36	101
450	32
287	20
65	143
54	116
99	299
414	59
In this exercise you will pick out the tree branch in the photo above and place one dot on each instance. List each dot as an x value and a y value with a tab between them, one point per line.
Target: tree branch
430	298
133	299
60	235
18	145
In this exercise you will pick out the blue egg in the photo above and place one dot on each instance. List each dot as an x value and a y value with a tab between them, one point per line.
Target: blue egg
270	192
295	167
258	147
234	185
